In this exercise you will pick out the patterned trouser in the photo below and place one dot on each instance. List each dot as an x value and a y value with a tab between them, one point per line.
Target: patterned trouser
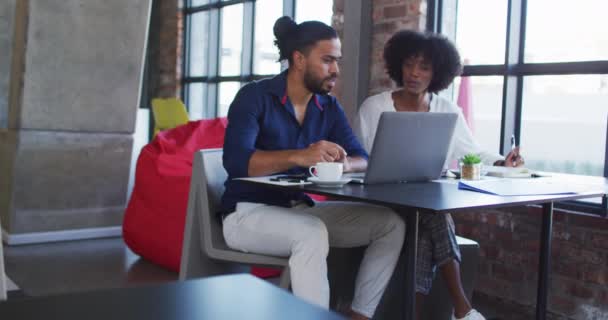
436	246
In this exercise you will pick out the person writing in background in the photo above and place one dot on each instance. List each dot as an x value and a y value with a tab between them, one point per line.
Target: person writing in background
513	159
422	64
285	125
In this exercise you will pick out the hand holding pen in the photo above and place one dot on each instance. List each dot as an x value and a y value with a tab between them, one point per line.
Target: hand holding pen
514	159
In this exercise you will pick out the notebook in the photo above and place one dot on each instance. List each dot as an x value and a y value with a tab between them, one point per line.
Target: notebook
507	172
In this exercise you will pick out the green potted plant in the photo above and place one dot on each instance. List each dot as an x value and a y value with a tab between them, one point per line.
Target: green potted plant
470	167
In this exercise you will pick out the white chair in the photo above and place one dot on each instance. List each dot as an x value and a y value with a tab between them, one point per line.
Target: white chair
204	251
2	274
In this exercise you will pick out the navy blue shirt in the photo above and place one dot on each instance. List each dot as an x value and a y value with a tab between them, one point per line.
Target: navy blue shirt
261	117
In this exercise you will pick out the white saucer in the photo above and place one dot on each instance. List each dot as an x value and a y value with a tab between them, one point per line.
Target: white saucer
329	183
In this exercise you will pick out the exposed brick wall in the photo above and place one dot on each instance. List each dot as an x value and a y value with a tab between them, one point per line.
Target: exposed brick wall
165	49
389	16
337	22
510	242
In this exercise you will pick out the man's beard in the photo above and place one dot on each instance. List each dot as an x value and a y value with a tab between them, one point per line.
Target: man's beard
315	85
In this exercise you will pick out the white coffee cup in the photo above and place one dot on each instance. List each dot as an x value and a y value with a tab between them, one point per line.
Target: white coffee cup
327	171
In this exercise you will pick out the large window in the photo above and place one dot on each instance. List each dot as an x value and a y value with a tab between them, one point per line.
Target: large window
229	43
537	70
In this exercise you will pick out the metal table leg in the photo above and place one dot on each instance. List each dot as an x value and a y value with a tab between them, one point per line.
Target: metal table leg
411	249
544	265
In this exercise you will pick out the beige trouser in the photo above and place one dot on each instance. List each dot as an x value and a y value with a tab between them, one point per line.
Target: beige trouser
305	233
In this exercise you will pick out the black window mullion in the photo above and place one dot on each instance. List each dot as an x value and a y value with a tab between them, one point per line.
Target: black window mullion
214	62
217	79
509	102
215	5
517	116
520	61
561	68
484	70
522	30
289	8
434	21
196	79
606	153
248	39
439	16
186	26
512	84
605	197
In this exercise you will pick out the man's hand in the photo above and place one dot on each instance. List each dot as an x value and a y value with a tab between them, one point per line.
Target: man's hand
354	164
263	163
321	151
346	167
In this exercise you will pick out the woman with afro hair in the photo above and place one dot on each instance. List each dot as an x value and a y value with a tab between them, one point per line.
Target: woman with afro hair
421	65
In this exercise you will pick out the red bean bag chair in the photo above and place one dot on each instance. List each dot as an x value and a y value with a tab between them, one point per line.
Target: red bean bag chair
153	224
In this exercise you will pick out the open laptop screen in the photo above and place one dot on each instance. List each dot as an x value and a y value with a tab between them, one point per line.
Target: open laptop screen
409	146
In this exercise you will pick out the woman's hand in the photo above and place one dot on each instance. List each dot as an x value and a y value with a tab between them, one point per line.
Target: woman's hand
514	159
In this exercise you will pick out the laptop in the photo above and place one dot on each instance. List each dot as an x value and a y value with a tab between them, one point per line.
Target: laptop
409	146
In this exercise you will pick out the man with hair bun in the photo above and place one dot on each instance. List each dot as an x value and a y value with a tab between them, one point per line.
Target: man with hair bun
283	125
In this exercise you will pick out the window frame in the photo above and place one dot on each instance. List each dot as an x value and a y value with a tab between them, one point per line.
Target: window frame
213	79
514	70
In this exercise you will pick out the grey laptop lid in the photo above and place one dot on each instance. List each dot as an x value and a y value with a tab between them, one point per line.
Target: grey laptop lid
410	146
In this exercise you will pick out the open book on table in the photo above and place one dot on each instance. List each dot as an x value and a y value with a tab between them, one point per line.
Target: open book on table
508	172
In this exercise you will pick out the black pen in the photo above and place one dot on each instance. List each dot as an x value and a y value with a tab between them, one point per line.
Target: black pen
295	180
290	179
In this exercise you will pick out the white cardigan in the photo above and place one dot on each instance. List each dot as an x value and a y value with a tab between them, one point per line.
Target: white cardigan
366	124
